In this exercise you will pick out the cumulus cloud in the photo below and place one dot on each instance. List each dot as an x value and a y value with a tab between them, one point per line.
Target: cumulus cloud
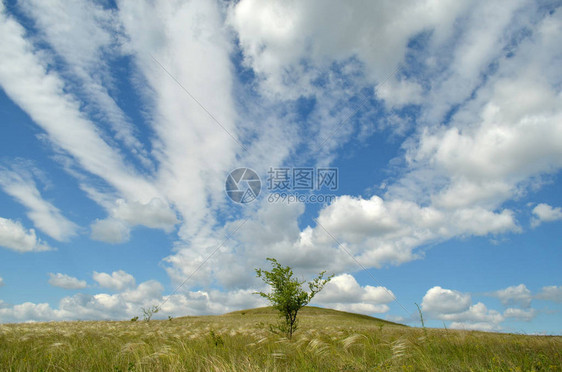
550	293
382	231
149	289
127	304
117	281
515	295
211	302
27	311
478	316
522	297
66	281
375	231
545	213
446	301
520	314
1	281
16	237
457	307
344	293
270	233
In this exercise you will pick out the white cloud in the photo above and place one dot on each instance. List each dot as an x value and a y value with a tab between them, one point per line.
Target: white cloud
294	48
277	36
117	281
127	304
450	305
344	293
375	231
211	302
19	184
344	288
477	326
520	314
123	215
78	307
40	92
16	237
550	293
456	63
66	282
516	295
1	281
400	93
545	213
387	231
270	233
478	316
27	312
155	214
521	296
193	151
148	290
505	135
65	25
438	300
98	306
110	231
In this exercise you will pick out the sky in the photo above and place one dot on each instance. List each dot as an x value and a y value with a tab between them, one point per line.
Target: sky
155	153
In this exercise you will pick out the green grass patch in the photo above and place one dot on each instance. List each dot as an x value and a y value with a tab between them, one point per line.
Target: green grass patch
327	340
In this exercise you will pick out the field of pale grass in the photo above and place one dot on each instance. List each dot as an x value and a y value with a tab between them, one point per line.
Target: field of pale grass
327	340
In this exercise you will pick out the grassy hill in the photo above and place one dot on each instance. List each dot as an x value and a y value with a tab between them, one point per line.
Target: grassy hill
310	315
327	340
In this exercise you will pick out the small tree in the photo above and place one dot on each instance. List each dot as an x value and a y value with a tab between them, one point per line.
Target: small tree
149	312
288	296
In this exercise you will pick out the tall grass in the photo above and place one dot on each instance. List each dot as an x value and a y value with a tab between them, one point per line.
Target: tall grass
327	341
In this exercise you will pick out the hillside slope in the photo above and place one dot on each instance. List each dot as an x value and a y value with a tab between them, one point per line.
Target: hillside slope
310	312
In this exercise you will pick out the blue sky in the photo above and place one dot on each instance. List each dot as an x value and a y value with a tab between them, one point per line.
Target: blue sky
120	122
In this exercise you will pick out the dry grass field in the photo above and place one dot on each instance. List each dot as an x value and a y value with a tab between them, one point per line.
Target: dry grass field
327	340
